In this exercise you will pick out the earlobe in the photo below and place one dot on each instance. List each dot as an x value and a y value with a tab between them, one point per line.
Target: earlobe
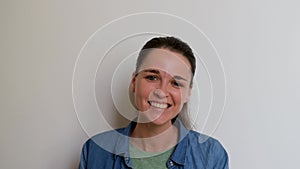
188	95
187	99
132	83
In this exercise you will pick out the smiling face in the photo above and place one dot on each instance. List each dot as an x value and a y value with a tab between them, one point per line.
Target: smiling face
161	86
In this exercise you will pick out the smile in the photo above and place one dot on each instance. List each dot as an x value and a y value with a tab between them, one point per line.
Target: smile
158	105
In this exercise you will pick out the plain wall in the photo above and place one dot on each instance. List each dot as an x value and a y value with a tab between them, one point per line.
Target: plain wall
258	43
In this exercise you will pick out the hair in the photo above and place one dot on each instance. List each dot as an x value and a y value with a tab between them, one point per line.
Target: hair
175	45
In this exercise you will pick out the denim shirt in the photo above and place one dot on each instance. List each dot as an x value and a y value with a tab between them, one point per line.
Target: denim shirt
110	150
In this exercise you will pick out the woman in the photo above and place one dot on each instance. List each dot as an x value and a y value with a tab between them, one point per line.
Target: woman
160	137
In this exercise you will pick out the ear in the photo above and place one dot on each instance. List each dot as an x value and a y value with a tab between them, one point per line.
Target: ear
187	98
132	82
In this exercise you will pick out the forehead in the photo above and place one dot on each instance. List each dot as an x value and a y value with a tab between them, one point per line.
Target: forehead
168	61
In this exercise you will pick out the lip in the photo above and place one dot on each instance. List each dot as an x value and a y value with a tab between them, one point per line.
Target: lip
160	105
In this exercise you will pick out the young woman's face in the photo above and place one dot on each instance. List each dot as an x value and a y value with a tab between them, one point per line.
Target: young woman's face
161	86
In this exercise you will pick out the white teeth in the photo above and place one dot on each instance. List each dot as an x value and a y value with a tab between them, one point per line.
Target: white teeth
159	105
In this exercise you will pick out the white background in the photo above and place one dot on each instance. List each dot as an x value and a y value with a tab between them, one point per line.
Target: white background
257	42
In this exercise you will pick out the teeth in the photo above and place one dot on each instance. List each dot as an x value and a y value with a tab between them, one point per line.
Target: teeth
159	105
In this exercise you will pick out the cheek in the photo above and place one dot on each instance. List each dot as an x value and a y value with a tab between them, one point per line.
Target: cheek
142	92
181	96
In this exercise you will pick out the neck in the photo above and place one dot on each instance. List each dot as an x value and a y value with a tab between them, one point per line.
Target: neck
153	138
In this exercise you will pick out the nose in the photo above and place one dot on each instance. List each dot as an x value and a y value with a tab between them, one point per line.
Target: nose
161	91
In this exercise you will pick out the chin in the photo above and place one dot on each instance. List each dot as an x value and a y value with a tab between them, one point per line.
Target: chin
162	121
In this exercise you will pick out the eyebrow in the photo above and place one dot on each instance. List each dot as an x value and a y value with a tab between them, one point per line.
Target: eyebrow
151	71
176	77
179	78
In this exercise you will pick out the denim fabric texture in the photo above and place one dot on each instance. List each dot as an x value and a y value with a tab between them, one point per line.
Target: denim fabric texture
110	150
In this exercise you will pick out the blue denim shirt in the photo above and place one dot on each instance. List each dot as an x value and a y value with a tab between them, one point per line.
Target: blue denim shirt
110	150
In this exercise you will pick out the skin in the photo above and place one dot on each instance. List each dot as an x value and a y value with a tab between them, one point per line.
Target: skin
160	88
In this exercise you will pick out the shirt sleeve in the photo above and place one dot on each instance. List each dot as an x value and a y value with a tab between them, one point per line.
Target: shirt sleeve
83	158
220	156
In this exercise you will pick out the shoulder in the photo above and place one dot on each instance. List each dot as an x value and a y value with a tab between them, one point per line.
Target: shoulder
203	140
99	151
105	141
208	148
106	138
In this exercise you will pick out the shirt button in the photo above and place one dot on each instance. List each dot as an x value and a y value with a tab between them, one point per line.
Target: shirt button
171	163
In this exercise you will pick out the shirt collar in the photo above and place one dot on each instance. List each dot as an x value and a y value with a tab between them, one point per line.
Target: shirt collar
178	156
122	146
179	153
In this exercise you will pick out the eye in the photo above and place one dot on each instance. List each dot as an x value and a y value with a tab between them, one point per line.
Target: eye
151	77
177	84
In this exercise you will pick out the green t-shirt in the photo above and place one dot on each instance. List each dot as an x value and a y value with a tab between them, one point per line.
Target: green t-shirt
149	160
